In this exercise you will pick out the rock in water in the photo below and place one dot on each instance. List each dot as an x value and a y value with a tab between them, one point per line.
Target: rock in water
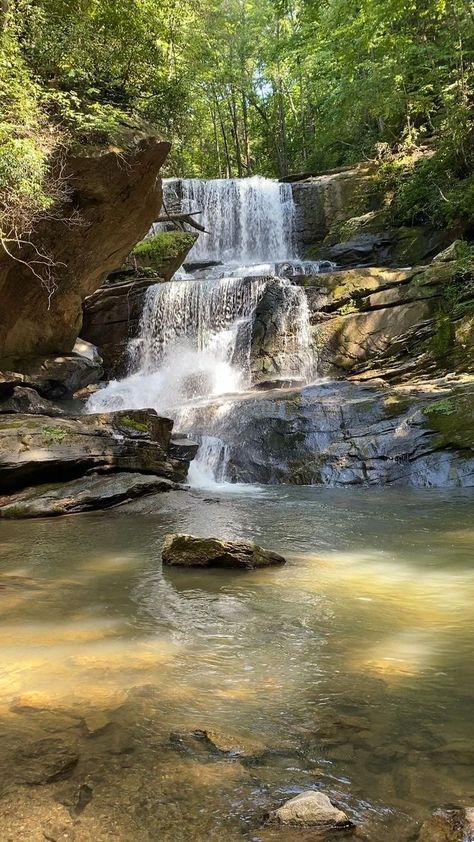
453	824
190	551
311	809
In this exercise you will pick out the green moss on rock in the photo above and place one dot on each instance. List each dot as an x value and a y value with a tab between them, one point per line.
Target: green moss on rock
450	419
164	245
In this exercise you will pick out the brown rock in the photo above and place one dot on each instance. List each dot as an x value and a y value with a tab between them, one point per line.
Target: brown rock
190	551
311	809
115	198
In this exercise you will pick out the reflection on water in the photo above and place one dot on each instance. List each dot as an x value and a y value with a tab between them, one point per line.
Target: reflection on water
348	669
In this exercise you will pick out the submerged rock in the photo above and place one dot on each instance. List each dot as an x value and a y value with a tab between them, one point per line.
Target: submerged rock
450	824
191	551
45	761
311	809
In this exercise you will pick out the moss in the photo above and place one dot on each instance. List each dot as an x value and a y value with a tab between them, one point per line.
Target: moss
350	306
450	420
443	335
165	245
133	424
445	406
52	435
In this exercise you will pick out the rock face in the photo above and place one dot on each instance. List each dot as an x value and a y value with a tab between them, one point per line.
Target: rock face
36	449
190	551
342	433
113	200
275	349
311	809
112	318
328	199
112	314
340	216
395	323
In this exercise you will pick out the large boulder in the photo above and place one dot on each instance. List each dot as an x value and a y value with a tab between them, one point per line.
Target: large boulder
81	495
38	449
190	551
112	202
311	809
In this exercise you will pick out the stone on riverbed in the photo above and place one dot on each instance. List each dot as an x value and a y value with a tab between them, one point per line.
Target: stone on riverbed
311	809
450	824
191	551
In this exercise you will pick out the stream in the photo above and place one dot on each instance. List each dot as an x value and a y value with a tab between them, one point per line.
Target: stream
350	669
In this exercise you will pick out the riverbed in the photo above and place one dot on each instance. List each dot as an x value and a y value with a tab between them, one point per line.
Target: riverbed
348	670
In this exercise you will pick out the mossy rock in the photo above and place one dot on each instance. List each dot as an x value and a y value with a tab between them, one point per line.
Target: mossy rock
163	253
451	420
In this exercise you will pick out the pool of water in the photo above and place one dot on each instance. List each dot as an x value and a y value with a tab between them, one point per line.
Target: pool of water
348	670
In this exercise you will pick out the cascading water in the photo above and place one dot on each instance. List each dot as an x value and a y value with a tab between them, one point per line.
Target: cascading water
201	337
249	220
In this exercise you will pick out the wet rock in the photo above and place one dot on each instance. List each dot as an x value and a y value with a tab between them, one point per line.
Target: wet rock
453	824
26	400
275	347
311	809
45	761
280	383
191	551
341	433
38	449
112	317
183	448
82	495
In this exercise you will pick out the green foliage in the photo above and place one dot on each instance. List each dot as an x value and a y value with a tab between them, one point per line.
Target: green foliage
54	435
244	86
164	245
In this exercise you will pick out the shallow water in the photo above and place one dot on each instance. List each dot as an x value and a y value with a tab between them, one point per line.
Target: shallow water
350	669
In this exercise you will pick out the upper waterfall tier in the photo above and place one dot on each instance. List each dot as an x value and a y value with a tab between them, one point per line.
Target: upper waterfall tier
248	220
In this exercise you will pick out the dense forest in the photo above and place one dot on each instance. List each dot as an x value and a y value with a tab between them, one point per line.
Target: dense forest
242	87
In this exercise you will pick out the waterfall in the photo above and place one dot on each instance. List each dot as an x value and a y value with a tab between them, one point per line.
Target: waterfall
205	336
250	220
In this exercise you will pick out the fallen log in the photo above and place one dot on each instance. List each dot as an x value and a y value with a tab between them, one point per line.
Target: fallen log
181	218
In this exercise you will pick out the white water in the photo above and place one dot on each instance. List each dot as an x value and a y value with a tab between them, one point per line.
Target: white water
194	341
249	220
